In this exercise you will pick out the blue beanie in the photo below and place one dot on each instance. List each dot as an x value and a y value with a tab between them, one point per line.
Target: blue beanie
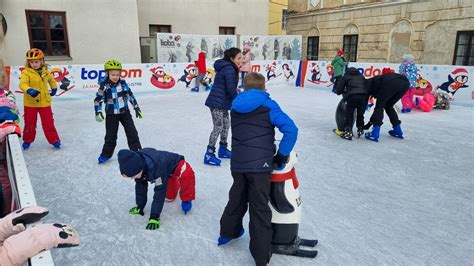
130	163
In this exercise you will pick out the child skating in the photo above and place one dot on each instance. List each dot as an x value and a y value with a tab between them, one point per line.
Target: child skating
37	99
167	171
115	93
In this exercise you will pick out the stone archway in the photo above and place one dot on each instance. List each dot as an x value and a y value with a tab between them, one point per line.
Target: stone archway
400	39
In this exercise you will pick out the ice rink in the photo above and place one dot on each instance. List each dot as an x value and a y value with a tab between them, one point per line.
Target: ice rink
404	202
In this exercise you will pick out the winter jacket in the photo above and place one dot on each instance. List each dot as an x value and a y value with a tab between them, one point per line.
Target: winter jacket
224	89
201	63
339	64
409	70
254	116
246	63
353	82
115	96
32	79
159	165
426	103
386	84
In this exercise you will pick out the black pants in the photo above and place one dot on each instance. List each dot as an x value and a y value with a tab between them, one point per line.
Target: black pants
250	191
386	99
111	128
355	102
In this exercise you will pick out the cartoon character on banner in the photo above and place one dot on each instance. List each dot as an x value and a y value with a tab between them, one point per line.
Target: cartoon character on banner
189	51
456	80
271	69
190	74
61	77
160	79
316	74
208	78
265	51
423	86
287	72
330	71
217	51
172	57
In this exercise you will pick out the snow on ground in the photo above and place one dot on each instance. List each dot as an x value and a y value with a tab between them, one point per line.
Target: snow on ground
394	202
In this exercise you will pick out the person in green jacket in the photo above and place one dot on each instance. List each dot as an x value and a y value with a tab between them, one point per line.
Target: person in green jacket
338	63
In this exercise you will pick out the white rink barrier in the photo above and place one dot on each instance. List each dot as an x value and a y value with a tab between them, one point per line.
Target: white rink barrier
80	81
22	190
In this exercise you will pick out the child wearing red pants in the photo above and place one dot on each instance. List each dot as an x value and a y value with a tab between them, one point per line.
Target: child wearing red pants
37	99
169	173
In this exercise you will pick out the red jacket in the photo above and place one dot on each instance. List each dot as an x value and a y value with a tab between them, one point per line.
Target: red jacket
201	63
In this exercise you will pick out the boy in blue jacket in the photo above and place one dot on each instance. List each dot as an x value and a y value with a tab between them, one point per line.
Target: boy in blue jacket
254	116
169	173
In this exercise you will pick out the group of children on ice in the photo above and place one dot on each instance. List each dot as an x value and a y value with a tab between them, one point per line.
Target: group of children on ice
253	155
387	89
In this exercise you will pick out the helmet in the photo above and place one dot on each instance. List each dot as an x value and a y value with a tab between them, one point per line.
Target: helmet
113	65
34	53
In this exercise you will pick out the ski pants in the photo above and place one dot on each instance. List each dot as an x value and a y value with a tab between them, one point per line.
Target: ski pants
47	121
386	99
250	191
112	122
355	102
183	181
407	99
221	124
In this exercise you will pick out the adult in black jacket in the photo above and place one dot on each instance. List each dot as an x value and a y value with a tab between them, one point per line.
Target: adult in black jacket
353	88
219	101
388	89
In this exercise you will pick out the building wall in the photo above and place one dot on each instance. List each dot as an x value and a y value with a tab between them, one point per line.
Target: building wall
386	30
204	16
275	16
95	33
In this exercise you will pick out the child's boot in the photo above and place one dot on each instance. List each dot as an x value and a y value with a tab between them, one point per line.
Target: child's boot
374	135
396	132
26	145
347	135
186	206
102	159
57	145
223	151
222	240
360	132
210	158
195	89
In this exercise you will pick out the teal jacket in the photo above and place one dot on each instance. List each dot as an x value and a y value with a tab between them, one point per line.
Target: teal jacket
339	64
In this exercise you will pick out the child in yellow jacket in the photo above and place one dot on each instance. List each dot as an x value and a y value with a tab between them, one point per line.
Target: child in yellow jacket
37	99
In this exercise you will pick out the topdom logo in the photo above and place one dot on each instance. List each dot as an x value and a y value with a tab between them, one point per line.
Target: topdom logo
125	73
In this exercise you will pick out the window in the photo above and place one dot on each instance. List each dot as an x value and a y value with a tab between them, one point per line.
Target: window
464	51
47	31
226	30
350	47
284	21
153	29
313	48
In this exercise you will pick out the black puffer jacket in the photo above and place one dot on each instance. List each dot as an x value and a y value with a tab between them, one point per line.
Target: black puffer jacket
379	84
353	82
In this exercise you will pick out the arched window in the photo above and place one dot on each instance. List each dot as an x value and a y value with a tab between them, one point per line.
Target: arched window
351	39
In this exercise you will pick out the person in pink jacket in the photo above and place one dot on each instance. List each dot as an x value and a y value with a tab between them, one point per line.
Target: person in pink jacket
246	63
409	70
17	243
426	103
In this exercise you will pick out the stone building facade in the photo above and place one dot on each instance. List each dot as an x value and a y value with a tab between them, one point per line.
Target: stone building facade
433	31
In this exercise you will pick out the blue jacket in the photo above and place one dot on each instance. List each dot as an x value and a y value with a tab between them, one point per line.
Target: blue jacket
254	117
115	97
224	89
159	165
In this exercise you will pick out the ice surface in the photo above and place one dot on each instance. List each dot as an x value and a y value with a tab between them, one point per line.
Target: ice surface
399	202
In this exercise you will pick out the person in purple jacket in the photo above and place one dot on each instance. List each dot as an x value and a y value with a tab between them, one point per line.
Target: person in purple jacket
219	101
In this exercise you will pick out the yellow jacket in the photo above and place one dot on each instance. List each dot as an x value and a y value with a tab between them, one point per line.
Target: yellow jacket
30	78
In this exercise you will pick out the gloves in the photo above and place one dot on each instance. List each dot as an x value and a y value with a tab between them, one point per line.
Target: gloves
279	161
136	210
28	215
53	92
138	113
153	224
99	117
32	92
186	206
